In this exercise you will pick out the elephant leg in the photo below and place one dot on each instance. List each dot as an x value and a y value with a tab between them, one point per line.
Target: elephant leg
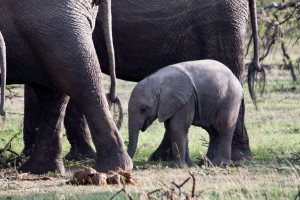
179	142
78	134
223	151
31	119
164	150
178	126
212	147
240	148
188	160
46	154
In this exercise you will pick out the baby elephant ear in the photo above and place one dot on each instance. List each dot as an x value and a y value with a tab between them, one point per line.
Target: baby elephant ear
175	91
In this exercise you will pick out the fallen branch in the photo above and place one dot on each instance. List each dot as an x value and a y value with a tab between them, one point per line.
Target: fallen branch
182	184
150	193
119	192
278	6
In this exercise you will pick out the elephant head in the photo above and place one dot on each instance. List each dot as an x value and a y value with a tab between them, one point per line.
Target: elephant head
158	96
3	73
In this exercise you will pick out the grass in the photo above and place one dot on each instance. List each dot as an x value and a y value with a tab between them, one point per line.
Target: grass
273	128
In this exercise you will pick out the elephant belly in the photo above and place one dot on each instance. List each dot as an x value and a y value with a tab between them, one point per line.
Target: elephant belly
149	35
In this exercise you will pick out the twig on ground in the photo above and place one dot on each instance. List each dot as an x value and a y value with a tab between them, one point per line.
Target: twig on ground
182	184
150	193
120	191
298	195
194	184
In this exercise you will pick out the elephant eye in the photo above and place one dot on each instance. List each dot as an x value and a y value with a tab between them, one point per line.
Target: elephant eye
143	109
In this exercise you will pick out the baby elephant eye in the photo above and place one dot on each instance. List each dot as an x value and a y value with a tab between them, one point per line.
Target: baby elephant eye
143	109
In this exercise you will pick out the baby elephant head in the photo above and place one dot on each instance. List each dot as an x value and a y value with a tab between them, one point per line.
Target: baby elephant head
158	96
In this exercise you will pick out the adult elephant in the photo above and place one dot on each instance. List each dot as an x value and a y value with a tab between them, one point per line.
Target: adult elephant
49	46
149	35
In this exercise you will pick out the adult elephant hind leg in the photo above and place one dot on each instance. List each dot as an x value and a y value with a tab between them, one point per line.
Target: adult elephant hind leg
46	155
78	134
83	83
31	119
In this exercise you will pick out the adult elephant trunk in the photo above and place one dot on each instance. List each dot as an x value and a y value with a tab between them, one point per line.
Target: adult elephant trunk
133	138
255	66
107	26
3	73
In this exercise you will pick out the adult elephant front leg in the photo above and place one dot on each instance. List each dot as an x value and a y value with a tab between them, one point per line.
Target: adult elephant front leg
46	155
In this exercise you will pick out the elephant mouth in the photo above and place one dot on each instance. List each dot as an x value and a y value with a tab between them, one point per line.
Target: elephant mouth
145	126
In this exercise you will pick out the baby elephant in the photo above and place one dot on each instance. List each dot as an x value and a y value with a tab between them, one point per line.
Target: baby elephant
202	93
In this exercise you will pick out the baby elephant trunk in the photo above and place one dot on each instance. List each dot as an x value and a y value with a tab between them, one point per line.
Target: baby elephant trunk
133	139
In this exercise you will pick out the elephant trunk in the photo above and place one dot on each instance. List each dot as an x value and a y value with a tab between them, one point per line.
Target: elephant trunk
133	138
3	73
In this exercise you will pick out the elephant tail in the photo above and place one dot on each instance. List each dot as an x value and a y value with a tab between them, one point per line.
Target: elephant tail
255	66
243	107
112	98
3	73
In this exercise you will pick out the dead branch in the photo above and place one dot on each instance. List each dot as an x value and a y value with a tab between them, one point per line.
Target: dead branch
298	195
205	143
8	145
194	184
182	184
291	15
14	113
150	193
120	191
278	6
273	41
289	64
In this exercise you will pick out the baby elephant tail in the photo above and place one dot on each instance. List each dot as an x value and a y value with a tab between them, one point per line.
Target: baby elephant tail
243	110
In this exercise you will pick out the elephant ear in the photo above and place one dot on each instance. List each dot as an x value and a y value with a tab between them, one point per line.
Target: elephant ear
175	90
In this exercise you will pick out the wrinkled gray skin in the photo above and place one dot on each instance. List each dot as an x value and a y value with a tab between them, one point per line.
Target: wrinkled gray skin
3	73
149	35
176	96
50	47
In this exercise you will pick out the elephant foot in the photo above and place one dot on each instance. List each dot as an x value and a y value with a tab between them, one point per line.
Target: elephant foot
189	162
240	154
214	163
178	164
106	161
205	162
77	154
161	154
26	151
218	162
42	166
